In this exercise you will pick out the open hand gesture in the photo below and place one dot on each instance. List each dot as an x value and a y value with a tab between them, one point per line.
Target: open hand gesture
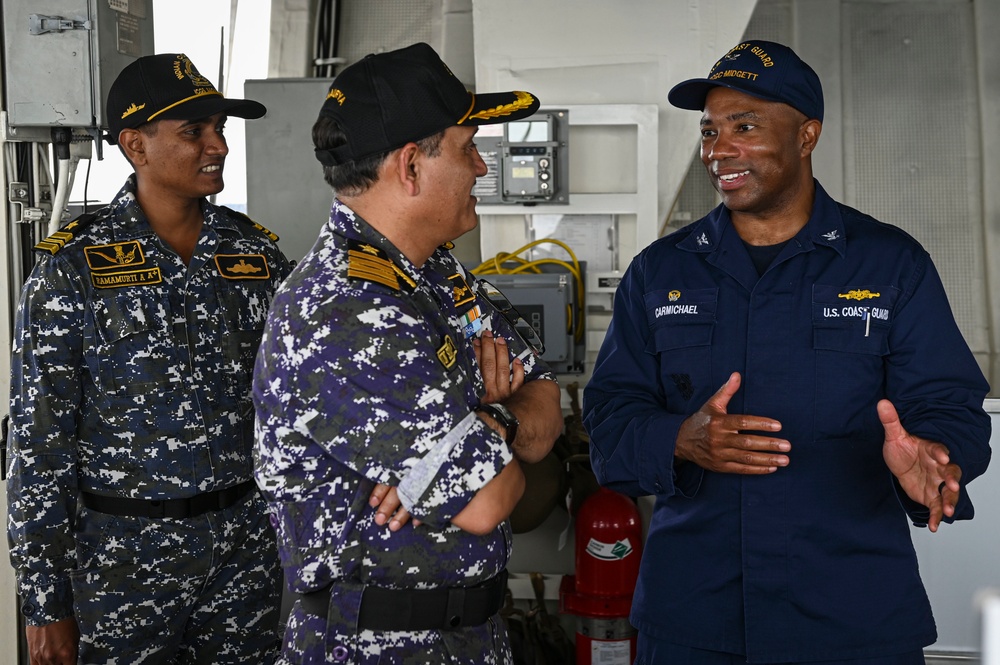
923	468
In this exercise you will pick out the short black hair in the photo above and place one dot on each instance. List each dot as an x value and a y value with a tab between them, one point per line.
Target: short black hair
356	177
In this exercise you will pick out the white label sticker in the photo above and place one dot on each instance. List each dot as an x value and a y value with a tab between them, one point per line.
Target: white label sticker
610	653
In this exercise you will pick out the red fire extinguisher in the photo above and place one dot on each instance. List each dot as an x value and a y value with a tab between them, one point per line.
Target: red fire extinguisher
608	551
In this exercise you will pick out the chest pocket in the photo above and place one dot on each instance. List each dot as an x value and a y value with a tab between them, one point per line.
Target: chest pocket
244	306
681	325
134	354
850	327
853	319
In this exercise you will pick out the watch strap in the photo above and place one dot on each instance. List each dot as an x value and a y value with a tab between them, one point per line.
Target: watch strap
505	417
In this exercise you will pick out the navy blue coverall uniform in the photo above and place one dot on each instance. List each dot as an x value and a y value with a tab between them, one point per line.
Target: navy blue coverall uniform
814	561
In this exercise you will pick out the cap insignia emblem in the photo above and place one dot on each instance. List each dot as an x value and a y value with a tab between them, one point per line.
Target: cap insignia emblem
132	109
184	67
523	100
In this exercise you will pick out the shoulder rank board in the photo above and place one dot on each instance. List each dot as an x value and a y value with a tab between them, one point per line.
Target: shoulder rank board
57	240
239	216
371	264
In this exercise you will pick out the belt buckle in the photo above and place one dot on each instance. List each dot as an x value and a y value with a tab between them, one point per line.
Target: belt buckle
157	508
454	613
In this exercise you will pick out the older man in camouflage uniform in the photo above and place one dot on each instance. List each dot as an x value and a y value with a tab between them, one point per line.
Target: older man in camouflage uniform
137	532
394	401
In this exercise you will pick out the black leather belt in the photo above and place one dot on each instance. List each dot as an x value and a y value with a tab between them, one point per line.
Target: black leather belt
187	507
444	608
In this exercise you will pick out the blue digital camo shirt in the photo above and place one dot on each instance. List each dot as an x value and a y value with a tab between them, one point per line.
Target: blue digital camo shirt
366	375
130	377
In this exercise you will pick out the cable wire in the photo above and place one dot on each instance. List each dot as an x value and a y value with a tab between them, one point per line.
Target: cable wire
498	266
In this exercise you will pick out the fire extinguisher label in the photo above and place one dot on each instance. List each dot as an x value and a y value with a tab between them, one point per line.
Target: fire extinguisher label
610	653
609	551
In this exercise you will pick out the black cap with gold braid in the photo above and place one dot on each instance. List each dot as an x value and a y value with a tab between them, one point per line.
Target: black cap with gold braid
166	86
387	100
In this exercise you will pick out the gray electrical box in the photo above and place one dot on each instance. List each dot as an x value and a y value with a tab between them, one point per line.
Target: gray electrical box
62	56
550	303
527	160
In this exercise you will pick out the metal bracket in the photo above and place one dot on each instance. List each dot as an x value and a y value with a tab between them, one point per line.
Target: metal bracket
17	193
39	24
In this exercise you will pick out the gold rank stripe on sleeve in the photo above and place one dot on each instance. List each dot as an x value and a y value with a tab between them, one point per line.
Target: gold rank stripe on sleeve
242	266
371	269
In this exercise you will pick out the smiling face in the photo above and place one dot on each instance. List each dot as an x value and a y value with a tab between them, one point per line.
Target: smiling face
183	158
757	153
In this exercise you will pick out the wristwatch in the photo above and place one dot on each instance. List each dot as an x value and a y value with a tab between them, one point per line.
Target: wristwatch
504	416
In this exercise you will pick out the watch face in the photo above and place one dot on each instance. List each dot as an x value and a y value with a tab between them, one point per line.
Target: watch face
508	416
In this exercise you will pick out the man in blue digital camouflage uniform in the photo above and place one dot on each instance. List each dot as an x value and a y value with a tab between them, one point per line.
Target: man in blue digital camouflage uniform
849	401
136	528
394	403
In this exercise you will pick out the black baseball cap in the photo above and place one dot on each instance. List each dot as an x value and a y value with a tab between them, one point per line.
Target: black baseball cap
386	100
167	86
767	70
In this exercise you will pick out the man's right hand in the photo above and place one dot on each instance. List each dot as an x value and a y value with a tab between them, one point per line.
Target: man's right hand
717	441
54	643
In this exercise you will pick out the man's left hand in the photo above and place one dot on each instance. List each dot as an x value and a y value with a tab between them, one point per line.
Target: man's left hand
923	467
502	376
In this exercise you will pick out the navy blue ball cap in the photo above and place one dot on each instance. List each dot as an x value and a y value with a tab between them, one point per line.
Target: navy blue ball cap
386	100
767	70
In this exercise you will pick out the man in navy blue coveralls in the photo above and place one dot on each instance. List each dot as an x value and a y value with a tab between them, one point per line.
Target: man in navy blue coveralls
849	401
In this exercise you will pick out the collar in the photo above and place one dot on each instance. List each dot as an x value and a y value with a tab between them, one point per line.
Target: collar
131	222
825	228
351	226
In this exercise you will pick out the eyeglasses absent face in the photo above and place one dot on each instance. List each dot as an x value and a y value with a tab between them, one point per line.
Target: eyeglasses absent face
509	312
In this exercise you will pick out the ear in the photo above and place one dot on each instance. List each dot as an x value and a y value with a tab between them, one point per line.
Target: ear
809	133
406	167
132	142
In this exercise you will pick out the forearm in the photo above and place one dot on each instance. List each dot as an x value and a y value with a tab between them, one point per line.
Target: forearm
41	541
536	405
494	503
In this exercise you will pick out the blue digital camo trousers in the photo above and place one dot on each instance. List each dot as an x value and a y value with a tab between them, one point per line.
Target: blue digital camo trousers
203	589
